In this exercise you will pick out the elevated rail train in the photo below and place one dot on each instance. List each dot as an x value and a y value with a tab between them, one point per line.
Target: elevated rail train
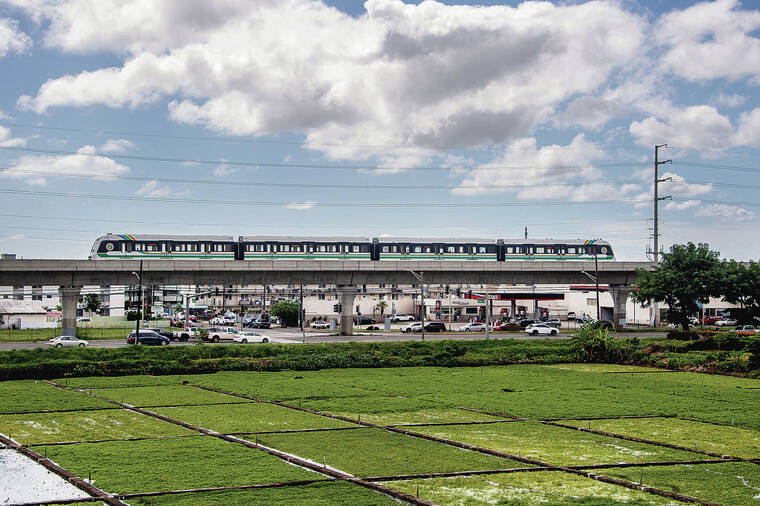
219	247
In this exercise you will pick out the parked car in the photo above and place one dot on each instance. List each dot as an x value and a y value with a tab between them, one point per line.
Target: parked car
67	342
84	320
148	337
250	337
472	327
584	318
726	322
525	322
363	320
412	327
746	329
554	322
571	315
319	324
506	326
229	320
216	334
399	317
711	320
693	321
435	327
541	328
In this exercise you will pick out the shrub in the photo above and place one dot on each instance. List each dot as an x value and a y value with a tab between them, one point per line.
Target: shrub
595	344
680	335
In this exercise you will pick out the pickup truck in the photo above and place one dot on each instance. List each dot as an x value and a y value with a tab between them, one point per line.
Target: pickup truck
216	334
184	334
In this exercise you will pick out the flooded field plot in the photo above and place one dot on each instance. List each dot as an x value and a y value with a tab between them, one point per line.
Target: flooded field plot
152	451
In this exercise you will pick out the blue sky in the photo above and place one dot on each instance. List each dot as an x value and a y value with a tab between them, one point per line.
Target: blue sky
422	119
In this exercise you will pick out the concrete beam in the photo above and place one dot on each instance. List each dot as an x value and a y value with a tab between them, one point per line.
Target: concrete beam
250	272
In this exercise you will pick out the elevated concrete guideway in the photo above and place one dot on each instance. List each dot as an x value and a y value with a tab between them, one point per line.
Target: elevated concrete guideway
71	275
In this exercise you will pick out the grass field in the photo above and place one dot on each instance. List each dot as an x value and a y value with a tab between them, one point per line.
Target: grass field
445	398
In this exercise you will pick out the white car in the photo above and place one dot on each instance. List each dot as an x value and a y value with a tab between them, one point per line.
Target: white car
472	327
398	317
67	342
726	322
412	327
216	334
250	337
535	329
319	324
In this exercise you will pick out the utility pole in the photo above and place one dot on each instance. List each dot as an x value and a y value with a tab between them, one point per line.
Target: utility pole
301	314
596	281
657	198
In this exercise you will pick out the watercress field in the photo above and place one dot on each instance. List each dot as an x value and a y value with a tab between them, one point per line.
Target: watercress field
517	434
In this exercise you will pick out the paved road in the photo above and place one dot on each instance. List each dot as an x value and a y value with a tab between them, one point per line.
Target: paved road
288	336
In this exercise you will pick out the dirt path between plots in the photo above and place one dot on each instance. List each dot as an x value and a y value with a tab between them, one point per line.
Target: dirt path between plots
487	451
284	456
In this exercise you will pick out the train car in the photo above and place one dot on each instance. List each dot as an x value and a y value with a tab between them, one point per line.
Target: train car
557	249
406	248
166	247
305	248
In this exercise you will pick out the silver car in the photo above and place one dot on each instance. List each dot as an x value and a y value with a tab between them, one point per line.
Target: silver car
67	342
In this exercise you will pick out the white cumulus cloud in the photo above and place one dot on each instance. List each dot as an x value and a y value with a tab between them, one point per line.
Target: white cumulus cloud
711	40
36	170
400	75
680	206
7	140
726	211
152	189
117	146
11	39
699	126
301	206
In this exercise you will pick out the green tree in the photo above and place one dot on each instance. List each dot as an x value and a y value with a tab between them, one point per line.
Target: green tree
286	311
688	274
741	285
92	303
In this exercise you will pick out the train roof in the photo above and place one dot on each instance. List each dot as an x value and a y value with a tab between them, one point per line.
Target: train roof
433	240
555	241
161	237
288	238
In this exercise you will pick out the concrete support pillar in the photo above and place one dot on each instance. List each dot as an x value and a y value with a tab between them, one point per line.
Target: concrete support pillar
513	309
69	298
619	299
535	309
347	295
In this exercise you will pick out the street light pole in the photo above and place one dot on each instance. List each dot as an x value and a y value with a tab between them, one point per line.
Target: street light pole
139	304
596	280
421	278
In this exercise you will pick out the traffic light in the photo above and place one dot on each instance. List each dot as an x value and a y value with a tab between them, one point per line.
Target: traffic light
337	308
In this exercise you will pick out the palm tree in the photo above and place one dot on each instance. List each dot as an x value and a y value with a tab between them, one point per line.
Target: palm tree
382	306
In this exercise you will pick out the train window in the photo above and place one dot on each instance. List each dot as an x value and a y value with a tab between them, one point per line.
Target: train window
539	249
356	249
427	249
571	251
385	249
228	247
394	249
451	249
418	249
549	249
407	249
284	247
510	249
518	249
482	249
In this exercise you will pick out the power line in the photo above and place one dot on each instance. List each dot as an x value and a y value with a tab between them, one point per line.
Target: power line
268	141
314	204
379	168
248	224
717	166
10	170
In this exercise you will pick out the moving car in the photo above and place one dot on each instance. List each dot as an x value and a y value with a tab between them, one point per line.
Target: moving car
472	327
319	324
148	337
541	328
67	342
435	327
711	320
163	332
399	317
363	320
250	337
726	322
